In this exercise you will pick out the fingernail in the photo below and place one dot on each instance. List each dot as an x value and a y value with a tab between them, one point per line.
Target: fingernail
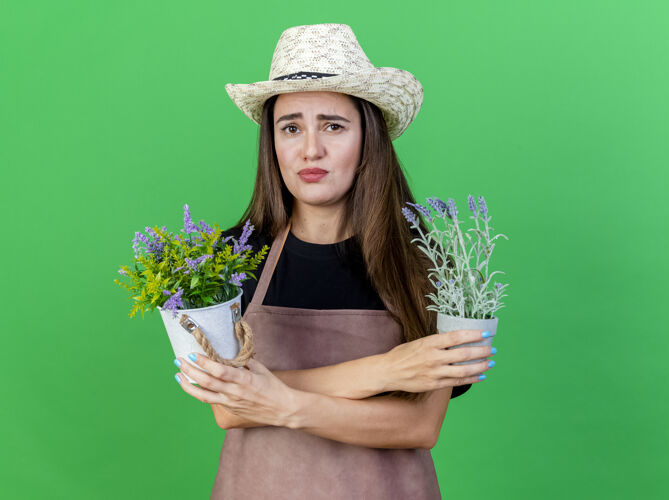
491	363
493	350
481	377
177	362
192	356
485	334
176	376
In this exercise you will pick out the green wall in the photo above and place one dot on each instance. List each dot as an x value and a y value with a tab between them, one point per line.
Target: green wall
113	115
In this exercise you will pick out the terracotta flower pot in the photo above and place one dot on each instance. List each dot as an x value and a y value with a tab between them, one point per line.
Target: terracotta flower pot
217	324
448	323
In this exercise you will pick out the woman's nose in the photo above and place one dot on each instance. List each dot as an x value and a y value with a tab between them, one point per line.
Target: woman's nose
312	144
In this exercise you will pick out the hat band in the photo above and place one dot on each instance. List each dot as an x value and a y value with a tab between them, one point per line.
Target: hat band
302	75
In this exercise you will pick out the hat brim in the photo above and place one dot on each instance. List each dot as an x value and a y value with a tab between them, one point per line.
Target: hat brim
396	92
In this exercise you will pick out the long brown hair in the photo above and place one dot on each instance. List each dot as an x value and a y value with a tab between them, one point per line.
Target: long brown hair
373	208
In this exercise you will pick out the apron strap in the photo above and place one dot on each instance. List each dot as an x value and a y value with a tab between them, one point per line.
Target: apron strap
270	265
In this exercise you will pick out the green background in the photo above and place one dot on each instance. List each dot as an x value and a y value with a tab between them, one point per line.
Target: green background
113	115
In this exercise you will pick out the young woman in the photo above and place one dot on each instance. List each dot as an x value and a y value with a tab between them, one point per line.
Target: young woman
349	386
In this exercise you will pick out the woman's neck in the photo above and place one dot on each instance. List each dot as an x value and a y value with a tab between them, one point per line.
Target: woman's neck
316	224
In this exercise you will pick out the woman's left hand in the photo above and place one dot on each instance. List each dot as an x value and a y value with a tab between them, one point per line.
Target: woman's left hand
255	394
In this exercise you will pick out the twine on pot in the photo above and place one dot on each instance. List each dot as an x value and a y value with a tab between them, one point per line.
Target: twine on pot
243	333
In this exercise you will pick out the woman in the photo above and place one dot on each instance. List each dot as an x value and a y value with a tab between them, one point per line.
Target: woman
358	386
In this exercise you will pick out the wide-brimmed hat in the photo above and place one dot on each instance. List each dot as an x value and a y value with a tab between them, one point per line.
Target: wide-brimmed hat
328	57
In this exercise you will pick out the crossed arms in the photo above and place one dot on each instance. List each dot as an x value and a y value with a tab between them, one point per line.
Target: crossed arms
337	402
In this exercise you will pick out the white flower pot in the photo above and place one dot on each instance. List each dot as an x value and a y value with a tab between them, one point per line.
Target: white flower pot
448	323
217	324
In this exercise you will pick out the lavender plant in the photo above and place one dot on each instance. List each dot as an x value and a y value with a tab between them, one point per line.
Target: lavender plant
194	270
461	290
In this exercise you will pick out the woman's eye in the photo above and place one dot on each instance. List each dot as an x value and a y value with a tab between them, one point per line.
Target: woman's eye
287	127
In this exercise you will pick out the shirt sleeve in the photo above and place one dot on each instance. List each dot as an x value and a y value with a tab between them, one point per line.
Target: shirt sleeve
459	390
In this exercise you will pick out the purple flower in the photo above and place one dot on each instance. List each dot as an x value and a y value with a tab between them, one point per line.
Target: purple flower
236	278
452	210
174	301
498	285
482	205
409	215
472	204
167	292
224	241
189	227
451	281
241	245
123	272
205	228
139	238
178	269
193	263
438	284
155	246
438	205
423	210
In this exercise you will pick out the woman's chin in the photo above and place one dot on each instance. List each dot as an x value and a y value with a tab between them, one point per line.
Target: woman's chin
323	200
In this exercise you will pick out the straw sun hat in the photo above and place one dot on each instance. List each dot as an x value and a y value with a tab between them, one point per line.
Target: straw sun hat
328	57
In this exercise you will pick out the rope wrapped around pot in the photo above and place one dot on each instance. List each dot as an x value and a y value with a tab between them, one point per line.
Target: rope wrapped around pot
243	333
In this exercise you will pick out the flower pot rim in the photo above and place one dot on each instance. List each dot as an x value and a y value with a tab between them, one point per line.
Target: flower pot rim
465	317
208	307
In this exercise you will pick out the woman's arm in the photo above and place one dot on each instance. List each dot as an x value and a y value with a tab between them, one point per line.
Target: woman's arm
410	367
381	422
355	379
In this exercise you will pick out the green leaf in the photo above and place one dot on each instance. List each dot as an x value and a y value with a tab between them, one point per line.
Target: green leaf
194	281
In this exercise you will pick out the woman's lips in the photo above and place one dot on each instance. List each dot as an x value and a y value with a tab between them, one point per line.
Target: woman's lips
312	174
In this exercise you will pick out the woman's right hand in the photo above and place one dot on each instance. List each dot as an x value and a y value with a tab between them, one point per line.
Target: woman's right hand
424	364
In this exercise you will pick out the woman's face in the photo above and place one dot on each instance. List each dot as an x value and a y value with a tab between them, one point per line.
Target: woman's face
322	131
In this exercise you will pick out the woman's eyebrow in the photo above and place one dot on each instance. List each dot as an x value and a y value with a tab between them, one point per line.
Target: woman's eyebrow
292	116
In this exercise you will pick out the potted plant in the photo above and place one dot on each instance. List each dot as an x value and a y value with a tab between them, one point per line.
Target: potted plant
463	298
195	280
